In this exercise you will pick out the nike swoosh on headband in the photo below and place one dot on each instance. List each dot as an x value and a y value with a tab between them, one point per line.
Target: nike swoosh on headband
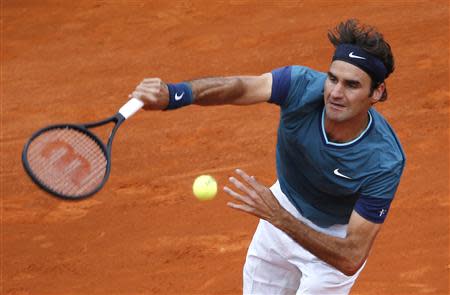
355	56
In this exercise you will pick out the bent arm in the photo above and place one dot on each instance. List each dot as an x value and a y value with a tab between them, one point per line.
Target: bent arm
346	254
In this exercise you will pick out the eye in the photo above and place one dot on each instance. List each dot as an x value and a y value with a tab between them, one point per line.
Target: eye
332	78
353	85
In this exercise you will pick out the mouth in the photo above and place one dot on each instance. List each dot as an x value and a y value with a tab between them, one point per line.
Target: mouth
336	106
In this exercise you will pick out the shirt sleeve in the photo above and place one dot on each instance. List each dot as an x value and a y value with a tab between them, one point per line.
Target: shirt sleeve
376	196
293	87
281	81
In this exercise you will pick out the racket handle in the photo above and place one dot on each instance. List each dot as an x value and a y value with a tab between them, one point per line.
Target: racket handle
131	107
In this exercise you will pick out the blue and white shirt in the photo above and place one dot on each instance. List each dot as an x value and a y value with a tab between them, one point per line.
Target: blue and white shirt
326	181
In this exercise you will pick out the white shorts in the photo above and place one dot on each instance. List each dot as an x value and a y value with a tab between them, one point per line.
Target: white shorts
276	264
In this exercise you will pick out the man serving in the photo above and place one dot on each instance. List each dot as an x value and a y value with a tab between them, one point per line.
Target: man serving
339	163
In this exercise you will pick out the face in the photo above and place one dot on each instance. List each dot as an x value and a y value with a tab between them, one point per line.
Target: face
346	93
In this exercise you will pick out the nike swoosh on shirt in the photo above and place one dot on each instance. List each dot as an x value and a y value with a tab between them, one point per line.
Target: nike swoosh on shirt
355	56
336	172
179	96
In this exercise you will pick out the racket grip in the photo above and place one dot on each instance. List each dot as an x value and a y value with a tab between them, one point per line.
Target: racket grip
131	107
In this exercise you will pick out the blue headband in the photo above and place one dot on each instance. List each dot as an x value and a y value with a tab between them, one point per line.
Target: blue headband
357	56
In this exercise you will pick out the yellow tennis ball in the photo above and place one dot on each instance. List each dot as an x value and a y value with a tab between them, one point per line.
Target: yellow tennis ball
205	187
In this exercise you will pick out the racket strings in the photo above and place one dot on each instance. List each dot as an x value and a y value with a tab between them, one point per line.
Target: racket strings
67	161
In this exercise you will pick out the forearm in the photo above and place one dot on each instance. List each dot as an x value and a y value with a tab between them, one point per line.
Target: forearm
238	90
342	253
216	91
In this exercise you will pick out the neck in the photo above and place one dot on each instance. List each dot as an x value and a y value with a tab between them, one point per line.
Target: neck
341	132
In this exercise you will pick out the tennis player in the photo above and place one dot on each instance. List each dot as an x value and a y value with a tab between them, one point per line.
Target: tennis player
339	163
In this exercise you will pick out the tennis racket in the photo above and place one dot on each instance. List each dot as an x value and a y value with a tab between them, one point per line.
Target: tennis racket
69	160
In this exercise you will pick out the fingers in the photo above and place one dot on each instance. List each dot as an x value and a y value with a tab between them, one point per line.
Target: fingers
242	207
257	192
146	91
153	92
250	194
150	84
147	88
151	81
241	186
239	197
251	180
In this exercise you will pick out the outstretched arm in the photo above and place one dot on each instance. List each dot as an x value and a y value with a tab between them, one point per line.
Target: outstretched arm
237	90
346	254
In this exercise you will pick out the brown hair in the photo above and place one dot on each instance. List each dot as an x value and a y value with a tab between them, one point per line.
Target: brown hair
369	39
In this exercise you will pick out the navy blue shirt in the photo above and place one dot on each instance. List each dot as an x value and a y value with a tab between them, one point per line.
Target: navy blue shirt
326	181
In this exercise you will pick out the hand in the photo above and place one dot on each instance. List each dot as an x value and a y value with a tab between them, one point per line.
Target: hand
256	199
153	92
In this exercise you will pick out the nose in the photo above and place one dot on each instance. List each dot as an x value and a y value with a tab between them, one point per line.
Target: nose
337	90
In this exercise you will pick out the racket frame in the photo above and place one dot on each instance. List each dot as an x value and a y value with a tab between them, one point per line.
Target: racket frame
118	119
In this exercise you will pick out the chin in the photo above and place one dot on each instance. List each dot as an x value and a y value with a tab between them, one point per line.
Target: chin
333	114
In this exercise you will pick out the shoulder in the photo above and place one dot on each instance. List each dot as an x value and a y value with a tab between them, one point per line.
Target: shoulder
305	80
306	72
295	81
297	72
390	151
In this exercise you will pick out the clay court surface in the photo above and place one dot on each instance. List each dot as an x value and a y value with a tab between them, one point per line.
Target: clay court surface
144	233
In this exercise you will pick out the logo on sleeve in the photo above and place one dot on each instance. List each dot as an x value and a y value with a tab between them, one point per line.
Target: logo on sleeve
336	172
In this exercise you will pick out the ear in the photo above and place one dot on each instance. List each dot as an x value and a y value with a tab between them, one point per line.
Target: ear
377	93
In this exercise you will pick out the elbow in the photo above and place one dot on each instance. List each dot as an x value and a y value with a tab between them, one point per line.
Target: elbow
349	270
351	265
